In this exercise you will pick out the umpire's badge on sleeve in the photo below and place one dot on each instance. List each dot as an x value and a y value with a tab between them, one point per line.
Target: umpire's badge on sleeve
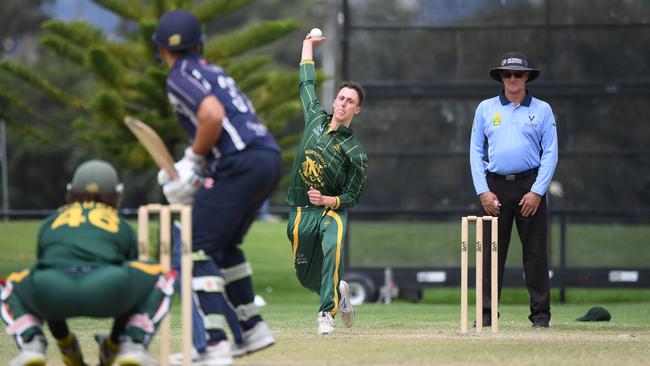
497	119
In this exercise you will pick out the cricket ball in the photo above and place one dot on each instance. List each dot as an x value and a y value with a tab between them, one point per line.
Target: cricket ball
316	32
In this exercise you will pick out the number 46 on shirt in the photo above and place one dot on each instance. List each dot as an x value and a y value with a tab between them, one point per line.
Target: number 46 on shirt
95	213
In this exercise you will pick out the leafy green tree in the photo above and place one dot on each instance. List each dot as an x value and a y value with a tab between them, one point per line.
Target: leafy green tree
127	80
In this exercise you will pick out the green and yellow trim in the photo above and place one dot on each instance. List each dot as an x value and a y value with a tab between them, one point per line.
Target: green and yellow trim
148	268
339	245
296	224
65	342
18	276
307	62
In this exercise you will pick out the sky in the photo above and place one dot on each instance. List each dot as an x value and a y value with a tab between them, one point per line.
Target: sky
74	9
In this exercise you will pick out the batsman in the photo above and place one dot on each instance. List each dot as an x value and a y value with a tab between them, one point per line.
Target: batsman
327	178
240	163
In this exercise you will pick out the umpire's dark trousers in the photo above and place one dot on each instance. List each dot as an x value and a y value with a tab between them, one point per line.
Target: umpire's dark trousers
533	233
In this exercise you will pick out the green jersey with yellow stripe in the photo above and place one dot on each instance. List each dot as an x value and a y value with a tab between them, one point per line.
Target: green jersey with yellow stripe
333	162
83	233
84	268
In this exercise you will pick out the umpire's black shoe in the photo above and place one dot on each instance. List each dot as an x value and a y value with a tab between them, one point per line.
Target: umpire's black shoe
540	324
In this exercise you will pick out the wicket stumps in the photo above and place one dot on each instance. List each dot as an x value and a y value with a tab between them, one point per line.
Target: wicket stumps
464	272
165	249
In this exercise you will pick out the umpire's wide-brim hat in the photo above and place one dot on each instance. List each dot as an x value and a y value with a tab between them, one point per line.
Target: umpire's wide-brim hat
515	61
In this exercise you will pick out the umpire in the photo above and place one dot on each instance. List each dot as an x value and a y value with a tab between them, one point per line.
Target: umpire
513	154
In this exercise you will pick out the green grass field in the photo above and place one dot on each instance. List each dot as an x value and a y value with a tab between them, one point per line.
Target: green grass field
402	333
437	244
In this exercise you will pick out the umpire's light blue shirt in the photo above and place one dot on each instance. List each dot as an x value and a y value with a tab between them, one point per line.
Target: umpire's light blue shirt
510	139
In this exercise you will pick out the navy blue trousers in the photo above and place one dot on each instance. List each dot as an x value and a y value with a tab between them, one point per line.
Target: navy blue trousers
222	213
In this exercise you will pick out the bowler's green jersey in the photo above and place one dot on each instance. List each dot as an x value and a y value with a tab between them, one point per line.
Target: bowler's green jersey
333	162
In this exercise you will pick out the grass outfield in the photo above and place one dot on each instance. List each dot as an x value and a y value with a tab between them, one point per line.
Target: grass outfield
412	243
425	333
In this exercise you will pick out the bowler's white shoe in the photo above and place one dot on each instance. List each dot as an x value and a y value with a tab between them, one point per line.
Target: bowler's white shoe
325	323
219	354
255	339
345	306
31	353
134	354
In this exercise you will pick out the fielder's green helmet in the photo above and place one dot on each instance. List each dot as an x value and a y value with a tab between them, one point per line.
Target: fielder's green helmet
95	177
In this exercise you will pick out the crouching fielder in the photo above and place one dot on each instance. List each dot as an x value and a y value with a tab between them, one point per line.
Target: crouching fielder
86	267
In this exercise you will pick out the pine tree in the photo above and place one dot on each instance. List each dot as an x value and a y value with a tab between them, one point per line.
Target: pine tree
128	80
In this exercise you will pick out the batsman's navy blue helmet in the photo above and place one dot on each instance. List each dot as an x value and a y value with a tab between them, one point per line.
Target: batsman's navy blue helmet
178	30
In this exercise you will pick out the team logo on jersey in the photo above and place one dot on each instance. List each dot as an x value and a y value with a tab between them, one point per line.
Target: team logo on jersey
497	119
318	130
301	259
312	168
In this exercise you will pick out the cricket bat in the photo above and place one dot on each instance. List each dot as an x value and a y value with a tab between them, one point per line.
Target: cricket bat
153	144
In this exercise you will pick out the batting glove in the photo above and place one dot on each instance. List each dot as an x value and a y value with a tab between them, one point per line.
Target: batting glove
163	177
189	170
196	161
190	163
183	189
